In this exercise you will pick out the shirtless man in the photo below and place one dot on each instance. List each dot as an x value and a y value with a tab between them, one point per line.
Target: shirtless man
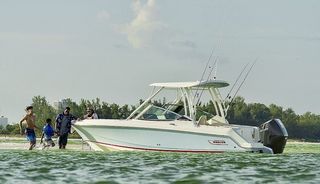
29	131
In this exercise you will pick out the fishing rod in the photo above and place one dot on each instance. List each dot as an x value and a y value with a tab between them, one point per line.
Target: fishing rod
220	28
245	78
209	76
216	71
205	71
234	85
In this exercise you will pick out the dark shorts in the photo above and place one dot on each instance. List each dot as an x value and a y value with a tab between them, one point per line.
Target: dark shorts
31	135
63	139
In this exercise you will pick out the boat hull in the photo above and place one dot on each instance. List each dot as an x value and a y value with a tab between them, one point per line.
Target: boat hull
129	135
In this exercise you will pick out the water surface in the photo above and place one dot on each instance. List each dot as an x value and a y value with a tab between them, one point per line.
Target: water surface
296	166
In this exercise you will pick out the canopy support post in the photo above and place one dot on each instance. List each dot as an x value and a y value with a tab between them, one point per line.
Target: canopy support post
144	103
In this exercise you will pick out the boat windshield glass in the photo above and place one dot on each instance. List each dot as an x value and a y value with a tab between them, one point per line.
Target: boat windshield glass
158	113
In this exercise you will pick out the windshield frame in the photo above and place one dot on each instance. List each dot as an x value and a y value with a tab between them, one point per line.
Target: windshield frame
164	111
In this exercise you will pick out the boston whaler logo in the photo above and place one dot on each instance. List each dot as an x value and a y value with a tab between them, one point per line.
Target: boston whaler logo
217	142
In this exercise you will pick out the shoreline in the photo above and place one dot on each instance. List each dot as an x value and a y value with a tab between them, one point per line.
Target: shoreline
20	143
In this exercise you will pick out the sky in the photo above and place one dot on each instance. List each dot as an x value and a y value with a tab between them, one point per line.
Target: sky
114	49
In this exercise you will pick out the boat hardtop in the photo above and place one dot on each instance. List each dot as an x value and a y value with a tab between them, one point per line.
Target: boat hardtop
196	84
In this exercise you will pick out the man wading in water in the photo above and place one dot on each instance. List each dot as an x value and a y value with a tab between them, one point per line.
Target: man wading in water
63	127
29	131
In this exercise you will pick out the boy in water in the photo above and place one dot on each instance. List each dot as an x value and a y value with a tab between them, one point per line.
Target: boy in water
47	134
29	131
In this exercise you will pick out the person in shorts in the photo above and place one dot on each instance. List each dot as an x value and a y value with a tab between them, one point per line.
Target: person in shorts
47	134
30	119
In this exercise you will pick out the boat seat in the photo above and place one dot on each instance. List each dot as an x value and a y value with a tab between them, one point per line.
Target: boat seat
213	122
202	120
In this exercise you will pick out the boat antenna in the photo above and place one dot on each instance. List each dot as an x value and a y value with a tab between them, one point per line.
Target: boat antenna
245	78
205	71
234	85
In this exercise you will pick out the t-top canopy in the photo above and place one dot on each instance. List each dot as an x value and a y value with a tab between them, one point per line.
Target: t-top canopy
197	84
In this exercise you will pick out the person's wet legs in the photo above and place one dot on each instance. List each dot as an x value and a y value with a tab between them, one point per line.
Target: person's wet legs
62	146
31	137
63	140
32	145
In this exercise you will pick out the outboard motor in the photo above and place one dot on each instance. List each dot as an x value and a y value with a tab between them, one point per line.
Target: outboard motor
274	135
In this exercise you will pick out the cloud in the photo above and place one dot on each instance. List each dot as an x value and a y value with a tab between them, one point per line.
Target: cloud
146	30
103	15
144	27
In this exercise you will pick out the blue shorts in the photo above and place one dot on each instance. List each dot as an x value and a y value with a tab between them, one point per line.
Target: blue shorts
31	135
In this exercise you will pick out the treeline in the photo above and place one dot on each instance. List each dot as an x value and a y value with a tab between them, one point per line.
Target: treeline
306	126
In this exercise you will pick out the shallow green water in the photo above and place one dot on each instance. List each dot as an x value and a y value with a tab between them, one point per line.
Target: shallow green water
296	166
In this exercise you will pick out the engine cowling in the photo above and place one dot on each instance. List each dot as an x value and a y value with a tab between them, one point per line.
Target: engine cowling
274	135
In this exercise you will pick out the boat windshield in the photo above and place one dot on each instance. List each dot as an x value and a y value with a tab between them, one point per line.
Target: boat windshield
158	113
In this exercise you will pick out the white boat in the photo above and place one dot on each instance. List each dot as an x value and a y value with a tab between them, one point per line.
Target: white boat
175	127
